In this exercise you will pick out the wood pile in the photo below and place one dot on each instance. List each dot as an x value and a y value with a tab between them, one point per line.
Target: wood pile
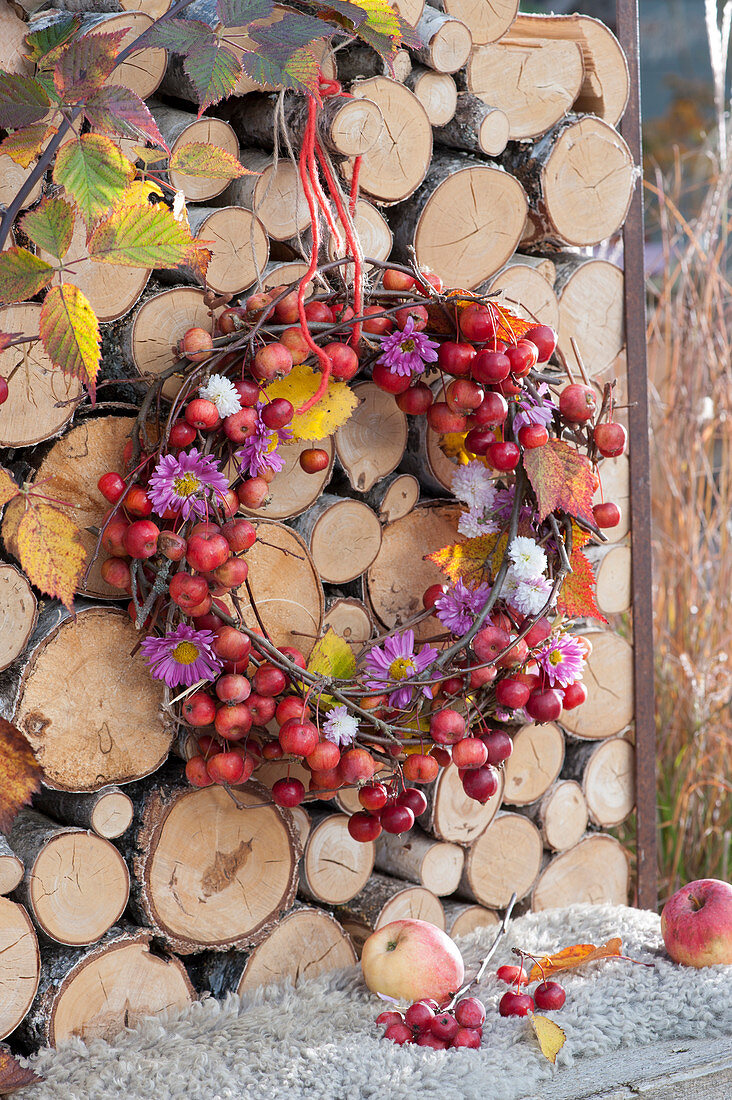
492	157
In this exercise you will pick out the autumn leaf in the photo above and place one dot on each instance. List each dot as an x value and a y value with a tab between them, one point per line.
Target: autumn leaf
572	957
51	36
468	559
333	409
576	597
119	110
236	13
23	146
8	488
275	64
85	64
94	172
333	657
20	777
561	478
141	236
209	161
23	101
509	326
50	551
13	1076
50	225
550	1035
22	275
138	193
213	70
580	536
70	334
7	339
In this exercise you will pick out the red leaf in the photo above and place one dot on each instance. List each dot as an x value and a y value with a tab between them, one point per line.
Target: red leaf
118	110
86	64
13	1076
576	598
561	478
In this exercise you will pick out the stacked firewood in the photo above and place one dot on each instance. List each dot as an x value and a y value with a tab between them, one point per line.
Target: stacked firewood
490	156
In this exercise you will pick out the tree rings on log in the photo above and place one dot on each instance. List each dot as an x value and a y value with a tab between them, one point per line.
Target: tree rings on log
373	232
394	496
461	918
615	486
108	812
88	706
285	587
274	193
505	858
294	490
384	900
424	458
42	399
346	126
239	246
534	764
350	619
561	815
211	874
608	677
181	128
446	41
591	311
613	580
371	443
487	21
434	864
18	613
20	965
12	47
451	815
465	221
607	774
410	10
149	339
475	127
437	92
533	85
595	871
93	993
11	868
343	536
334	867
395	165
398	577
13	176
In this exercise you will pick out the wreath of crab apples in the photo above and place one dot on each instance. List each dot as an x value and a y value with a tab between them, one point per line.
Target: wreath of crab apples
526	446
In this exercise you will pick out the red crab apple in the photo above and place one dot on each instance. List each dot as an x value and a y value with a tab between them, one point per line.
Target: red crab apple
696	923
412	959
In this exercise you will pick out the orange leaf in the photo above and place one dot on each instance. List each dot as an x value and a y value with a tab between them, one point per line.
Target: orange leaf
20	779
8	488
13	1076
572	957
50	551
469	559
576	598
561	478
510	327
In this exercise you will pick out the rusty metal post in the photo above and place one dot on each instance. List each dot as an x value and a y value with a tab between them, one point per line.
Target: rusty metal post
640	481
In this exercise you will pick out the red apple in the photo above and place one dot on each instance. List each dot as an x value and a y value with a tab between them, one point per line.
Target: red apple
696	923
412	959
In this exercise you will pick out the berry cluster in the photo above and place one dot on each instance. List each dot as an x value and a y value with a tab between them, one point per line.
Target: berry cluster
547	996
428	1025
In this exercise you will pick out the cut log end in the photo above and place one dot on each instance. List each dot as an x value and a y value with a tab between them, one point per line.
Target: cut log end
461	918
19	965
487	21
437	92
371	443
239	246
534	764
595	871
343	536
434	864
608	708
395	165
305	944
350	619
18	613
451	815
293	490
209	131
563	815
506	858
334	866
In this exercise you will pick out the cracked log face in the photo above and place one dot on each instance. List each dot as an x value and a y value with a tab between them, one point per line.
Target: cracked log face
19	965
334	867
212	874
306	943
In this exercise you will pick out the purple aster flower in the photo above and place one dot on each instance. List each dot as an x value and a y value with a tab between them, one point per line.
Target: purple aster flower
260	450
184	483
395	661
562	660
503	506
532	411
340	727
406	351
458	607
184	656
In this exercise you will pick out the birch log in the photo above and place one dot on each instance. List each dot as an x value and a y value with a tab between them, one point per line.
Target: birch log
416	857
505	858
342	535
436	92
461	918
487	22
446	41
607	774
18	614
451	815
534	764
595	871
475	127
371	443
346	125
334	867
384	900
107	812
20	965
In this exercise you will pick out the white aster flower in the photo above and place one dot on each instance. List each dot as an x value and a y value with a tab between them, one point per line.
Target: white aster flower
528	559
222	393
340	727
529	597
475	523
473	485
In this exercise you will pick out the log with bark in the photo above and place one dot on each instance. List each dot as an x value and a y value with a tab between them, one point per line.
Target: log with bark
239	247
416	857
590	295
306	943
350	619
475	127
75	884
527	284
608	677
579	178
273	191
462	917
394	496
534	764
451	815
607	774
18	614
95	992
11	868
560	815
384	899
437	92
487	22
424	458
464	222
371	443
211	869
346	126
153	8
357	61
373	232
615	486
334	867
597	871
293	490
342	535
20	965
506	857
181	128
534	84
446	41
107	812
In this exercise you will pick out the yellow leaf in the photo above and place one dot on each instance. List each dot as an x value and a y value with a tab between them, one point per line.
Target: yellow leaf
332	656
452	444
470	559
572	957
50	551
550	1035
70	334
333	409
138	193
20	773
8	488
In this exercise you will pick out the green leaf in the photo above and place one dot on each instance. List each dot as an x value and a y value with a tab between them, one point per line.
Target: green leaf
42	42
273	65
214	71
179	35
141	236
290	33
94	172
23	101
23	146
333	657
237	13
383	30
119	110
86	64
70	334
561	478
576	597
21	275
207	161
50	226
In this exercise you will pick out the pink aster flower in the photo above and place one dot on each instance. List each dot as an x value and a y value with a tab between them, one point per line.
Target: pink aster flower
184	656
395	661
528	597
340	727
562	660
185	483
458	607
532	411
260	450
407	351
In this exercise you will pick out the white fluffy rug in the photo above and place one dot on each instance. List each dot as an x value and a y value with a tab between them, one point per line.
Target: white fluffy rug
319	1042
